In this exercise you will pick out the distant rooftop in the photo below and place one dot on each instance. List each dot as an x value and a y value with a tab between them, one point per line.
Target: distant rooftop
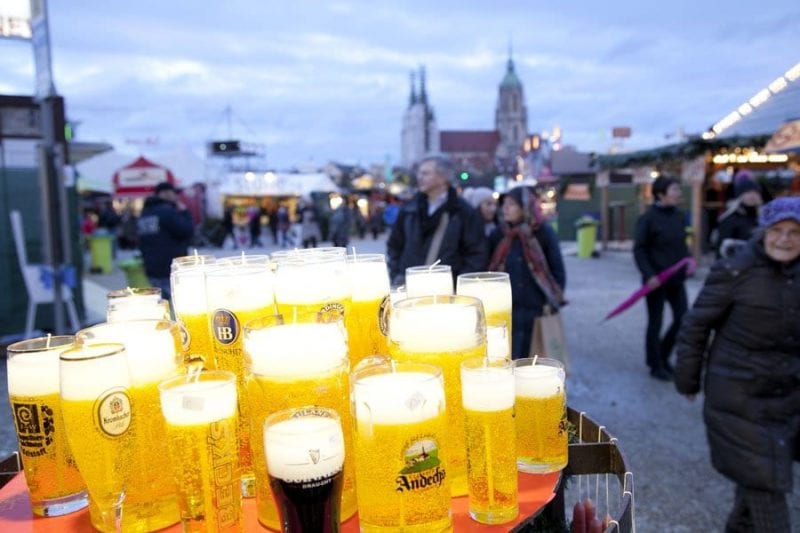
469	141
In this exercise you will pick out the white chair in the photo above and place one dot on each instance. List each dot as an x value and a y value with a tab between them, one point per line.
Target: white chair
31	273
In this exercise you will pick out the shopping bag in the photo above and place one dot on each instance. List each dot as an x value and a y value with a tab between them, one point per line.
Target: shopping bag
548	339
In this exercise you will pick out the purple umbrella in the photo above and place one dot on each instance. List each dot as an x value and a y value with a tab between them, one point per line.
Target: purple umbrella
662	276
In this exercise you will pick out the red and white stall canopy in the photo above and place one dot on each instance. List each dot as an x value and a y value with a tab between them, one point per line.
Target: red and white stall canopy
140	178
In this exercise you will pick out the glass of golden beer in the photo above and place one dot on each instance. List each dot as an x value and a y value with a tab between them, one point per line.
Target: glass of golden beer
429	280
55	486
487	391
238	290
153	354
312	281
201	418
494	290
188	287
443	331
402	465
136	304
305	456
294	364
369	287
97	408
541	411
497	339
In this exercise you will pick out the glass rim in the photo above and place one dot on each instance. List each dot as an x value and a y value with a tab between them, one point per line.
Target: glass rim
127	292
192	261
222	377
221	269
433	299
308	260
41	344
421	269
477	363
544	361
366	258
290	413
160	324
390	366
111	349
487	276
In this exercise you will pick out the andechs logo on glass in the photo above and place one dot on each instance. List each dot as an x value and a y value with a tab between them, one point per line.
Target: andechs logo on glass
423	467
225	326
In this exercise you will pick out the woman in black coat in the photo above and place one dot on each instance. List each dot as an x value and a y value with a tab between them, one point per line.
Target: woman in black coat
751	302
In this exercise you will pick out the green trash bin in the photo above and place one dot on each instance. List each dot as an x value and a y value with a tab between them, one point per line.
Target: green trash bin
134	273
101	249
587	236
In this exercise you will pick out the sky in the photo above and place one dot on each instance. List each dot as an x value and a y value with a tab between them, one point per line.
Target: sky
319	81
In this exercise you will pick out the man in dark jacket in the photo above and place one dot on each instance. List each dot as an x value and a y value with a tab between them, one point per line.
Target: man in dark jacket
751	303
659	243
436	224
165	230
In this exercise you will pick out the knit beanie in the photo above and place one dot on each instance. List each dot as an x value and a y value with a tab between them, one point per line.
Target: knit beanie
744	184
785	208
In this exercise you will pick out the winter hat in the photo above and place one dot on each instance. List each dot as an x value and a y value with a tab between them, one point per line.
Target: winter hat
785	208
476	196
744	183
529	200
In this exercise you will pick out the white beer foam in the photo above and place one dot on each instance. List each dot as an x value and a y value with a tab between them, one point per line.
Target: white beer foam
496	297
487	389
434	328
136	310
189	290
293	350
497	342
304	448
33	374
429	284
89	379
152	354
307	283
398	398
201	402
538	381
240	288
368	281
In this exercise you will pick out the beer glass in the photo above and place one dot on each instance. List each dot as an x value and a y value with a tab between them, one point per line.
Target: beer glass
305	455
291	365
444	331
429	280
97	408
403	467
497	339
541	411
188	287
312	281
494	290
369	287
200	414
238	290
55	486
136	304
153	354
487	392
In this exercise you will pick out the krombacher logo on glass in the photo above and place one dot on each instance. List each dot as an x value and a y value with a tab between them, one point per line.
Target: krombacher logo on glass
113	410
225	326
423	468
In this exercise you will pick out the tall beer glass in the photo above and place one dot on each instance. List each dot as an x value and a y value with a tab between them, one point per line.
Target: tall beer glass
369	286
136	304
200	412
444	331
487	391
497	340
238	290
305	458
97	408
312	281
429	280
402	466
188	287
494	290
541	411
292	365
55	486
153	354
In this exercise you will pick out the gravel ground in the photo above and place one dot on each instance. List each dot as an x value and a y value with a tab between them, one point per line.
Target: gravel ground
660	432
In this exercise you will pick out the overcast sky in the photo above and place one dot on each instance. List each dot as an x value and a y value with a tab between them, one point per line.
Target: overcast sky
328	80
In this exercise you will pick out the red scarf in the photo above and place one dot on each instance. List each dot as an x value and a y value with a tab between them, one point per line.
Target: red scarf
535	259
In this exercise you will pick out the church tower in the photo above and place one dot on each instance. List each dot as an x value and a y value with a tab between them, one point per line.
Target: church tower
511	115
420	135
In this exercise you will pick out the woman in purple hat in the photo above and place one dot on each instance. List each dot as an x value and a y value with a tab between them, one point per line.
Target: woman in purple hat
751	303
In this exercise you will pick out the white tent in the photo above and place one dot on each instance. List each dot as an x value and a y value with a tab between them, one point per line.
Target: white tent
276	184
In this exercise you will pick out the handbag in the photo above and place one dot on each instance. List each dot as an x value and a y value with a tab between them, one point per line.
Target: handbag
548	339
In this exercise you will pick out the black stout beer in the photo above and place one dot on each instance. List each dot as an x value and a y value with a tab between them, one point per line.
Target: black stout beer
305	456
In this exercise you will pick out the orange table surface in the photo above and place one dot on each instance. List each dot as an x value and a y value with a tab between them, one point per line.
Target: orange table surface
16	516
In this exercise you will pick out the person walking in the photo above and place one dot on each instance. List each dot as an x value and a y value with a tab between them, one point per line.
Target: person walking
436	225
165	230
341	225
737	224
311	232
660	242
750	306
527	248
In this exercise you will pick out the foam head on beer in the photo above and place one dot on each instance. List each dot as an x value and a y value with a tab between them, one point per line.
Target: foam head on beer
397	398
291	350
303	281
487	389
239	287
434	328
34	374
189	289
200	402
539	381
369	279
495	295
304	448
90	371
